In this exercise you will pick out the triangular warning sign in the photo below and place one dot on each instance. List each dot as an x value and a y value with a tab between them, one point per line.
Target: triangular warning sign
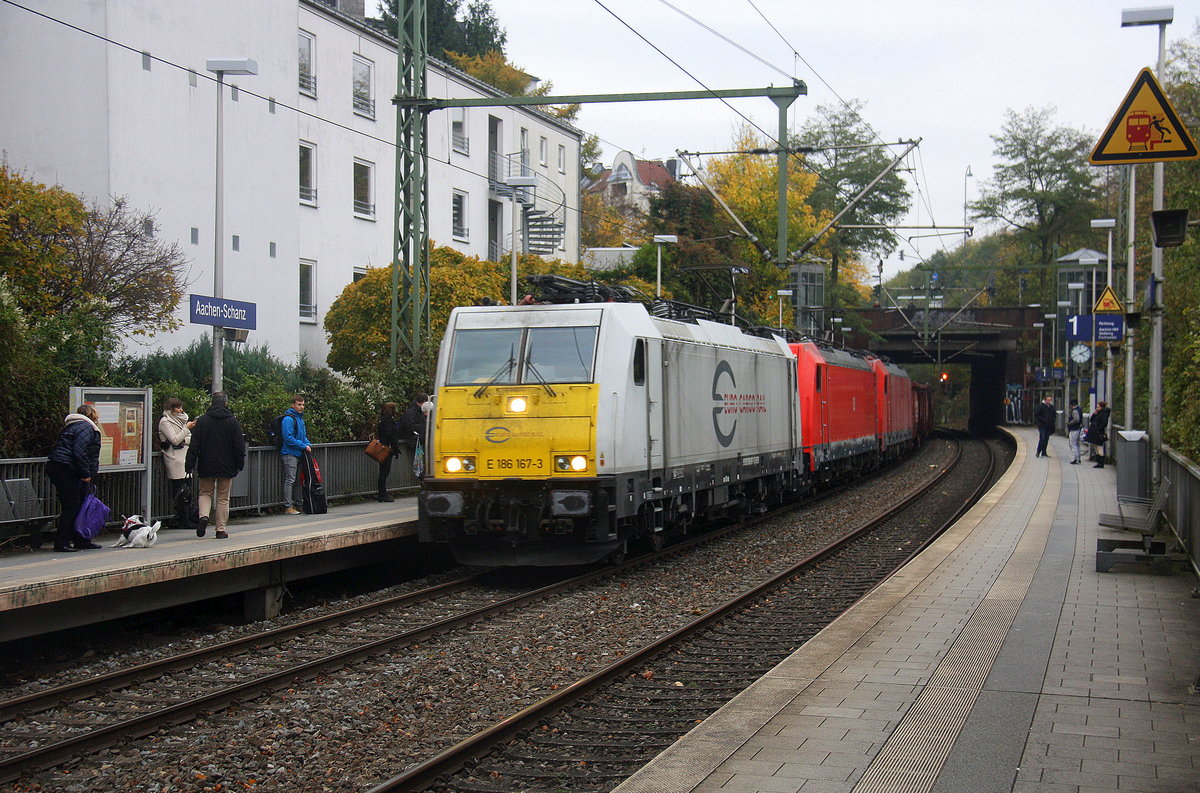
1108	303
1145	129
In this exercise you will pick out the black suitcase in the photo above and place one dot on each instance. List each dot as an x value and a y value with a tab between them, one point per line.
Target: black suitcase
313	486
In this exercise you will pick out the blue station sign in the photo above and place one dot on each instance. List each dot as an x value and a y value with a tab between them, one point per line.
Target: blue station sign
222	312
1108	327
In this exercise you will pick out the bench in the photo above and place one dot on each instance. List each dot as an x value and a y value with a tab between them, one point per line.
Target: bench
18	500
1138	514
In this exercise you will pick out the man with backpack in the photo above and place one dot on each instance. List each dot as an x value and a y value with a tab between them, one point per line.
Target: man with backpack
293	443
216	454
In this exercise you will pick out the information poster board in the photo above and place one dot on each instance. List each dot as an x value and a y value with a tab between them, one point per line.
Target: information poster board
125	434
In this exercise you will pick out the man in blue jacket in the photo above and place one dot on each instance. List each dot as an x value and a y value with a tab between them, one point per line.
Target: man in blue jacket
295	444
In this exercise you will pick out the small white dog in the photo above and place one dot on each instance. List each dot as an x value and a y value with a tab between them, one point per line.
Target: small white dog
136	534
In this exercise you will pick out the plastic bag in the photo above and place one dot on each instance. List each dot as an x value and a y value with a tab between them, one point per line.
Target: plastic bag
419	460
93	514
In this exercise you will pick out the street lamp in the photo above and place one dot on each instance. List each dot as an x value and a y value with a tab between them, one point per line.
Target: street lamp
222	67
1135	17
516	182
781	294
659	239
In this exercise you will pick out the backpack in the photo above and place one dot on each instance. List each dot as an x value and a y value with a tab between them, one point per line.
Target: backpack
275	431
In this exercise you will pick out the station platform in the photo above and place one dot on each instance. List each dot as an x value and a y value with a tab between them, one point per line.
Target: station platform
998	660
42	591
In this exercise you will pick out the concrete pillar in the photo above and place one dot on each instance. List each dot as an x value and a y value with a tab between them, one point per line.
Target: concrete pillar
262	604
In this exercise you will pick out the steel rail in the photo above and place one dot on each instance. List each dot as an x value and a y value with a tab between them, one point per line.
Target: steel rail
452	759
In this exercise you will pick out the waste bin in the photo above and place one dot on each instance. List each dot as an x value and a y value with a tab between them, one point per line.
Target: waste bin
1133	463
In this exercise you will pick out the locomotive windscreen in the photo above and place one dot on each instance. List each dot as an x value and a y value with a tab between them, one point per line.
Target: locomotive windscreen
505	356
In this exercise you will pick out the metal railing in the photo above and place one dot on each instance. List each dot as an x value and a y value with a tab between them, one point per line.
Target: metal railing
346	470
308	194
364	105
364	208
308	84
1183	502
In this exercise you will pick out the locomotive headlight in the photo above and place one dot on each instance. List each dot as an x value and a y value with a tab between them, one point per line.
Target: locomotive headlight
566	462
517	404
457	465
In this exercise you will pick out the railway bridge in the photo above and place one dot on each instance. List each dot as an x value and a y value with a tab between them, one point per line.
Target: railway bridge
994	342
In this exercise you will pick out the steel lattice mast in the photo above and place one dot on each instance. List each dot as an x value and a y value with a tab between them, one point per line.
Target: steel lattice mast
410	237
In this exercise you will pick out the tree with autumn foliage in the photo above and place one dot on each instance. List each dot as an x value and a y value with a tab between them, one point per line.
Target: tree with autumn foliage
358	322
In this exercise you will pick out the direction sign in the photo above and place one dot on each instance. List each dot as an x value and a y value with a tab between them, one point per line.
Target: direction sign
1145	129
1108	303
1105	327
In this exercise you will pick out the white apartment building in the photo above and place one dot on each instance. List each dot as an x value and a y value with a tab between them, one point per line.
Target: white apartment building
111	98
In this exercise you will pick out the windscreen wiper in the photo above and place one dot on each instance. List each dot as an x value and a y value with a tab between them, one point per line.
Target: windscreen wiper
533	370
507	366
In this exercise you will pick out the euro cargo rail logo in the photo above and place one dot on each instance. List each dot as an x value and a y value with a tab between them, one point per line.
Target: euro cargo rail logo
499	434
730	402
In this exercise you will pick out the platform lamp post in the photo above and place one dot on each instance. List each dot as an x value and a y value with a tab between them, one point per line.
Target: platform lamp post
222	67
781	294
1065	306
659	241
1136	17
1109	224
1041	326
516	182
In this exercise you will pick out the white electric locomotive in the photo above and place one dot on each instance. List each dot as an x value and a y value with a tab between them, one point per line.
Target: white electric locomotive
562	433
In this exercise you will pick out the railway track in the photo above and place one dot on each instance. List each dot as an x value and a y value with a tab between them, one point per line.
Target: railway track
40	730
597	732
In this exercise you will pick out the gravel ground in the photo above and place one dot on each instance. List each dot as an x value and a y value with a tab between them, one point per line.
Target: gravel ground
347	731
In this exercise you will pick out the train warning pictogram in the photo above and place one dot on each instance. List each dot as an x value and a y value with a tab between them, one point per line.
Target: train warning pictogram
1108	303
1145	129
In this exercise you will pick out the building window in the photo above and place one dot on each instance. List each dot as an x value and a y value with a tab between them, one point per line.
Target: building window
543	152
308	294
308	174
458	130
271	249
363	92
146	61
562	159
237	242
359	274
524	148
308	65
195	236
459	216
364	204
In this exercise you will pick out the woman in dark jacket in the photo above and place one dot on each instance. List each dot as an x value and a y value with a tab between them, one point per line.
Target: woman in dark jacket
388	433
74	463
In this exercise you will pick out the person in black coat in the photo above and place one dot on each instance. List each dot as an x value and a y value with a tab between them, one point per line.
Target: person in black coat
412	423
216	455
388	433
74	463
1045	416
1097	433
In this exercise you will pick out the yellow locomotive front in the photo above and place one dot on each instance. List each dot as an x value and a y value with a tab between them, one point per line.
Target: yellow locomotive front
513	470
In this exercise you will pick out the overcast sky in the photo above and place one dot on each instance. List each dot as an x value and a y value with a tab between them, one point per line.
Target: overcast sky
945	72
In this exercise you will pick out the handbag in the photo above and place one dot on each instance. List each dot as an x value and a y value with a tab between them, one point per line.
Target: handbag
379	452
93	514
